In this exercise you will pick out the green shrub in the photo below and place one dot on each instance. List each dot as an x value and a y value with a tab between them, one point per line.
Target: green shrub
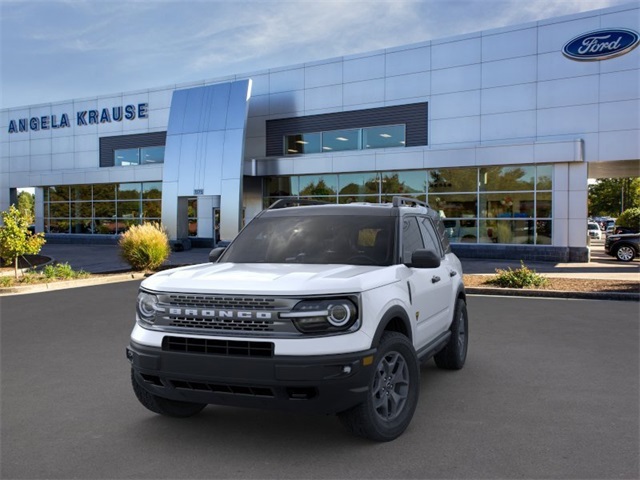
62	271
630	218
145	247
5	281
522	277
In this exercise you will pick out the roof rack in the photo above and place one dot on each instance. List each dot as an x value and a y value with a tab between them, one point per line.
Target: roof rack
408	202
295	202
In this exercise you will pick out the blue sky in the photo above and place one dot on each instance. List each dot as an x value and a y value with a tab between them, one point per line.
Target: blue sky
56	50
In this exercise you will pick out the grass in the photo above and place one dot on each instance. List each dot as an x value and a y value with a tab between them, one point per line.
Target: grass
50	273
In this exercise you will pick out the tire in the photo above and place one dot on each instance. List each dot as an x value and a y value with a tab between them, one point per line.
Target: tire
625	253
454	354
164	406
393	392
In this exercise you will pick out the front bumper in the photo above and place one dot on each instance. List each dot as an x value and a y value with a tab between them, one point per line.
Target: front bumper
312	384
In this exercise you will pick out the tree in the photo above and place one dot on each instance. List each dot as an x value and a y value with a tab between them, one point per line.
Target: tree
611	196
630	219
15	238
26	203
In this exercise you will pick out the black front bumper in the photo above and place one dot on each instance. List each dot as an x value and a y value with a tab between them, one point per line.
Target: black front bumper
314	384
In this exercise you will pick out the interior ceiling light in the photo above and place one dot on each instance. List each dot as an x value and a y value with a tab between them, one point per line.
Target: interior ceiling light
292	150
302	142
385	135
342	139
327	148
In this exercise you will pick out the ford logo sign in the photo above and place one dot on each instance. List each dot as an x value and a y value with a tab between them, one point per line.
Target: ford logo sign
601	44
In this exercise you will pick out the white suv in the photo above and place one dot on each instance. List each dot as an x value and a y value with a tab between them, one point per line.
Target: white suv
312	308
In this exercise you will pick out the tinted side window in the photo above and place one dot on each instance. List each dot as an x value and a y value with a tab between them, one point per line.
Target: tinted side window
429	236
411	238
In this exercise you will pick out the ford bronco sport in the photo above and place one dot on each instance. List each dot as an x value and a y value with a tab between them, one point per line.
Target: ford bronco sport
312	308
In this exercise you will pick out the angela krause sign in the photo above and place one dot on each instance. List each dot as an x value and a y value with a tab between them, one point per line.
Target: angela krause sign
84	117
601	44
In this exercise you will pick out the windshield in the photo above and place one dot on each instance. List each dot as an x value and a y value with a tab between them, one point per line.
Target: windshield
321	239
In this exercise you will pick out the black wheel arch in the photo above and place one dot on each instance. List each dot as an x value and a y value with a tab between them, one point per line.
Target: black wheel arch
395	319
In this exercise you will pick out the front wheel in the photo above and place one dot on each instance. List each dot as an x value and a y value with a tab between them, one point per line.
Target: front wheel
454	354
164	406
625	253
393	392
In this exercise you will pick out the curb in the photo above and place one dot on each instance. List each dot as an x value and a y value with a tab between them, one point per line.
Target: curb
85	282
517	292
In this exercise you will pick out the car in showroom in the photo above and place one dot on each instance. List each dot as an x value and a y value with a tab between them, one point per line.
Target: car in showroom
625	247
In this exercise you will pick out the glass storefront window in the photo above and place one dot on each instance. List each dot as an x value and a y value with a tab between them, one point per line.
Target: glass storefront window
105	209
81	209
128	209
453	180
311	185
58	210
505	179
543	205
58	194
403	183
81	192
507	205
544	177
281	186
192	214
454	205
338	140
104	191
383	137
358	198
128	191
152	190
358	183
303	143
151	210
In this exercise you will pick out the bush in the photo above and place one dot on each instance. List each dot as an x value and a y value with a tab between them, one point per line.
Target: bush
145	247
62	271
630	219
522	277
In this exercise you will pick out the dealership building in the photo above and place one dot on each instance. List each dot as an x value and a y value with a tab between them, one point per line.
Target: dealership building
499	130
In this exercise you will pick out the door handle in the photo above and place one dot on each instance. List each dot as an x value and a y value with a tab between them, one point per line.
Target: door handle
452	273
435	279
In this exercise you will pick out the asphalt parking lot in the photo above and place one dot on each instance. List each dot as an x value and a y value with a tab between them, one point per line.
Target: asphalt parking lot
550	390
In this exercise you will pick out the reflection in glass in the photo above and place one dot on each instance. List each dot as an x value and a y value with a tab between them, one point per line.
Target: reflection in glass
404	182
318	185
545	175
128	191
192	215
303	143
59	210
150	155
507	205
543	205
544	232
59	193
358	183
105	209
152	190
128	157
338	140
105	191
499	179
81	192
453	180
128	209
81	209
281	186
383	137
454	204
358	198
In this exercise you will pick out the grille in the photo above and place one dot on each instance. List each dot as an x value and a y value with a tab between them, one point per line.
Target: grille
222	324
223	388
213	301
232	348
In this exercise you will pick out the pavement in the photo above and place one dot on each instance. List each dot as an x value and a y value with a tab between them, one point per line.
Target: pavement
102	259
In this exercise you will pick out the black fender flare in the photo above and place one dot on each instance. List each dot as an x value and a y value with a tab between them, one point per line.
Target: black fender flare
394	312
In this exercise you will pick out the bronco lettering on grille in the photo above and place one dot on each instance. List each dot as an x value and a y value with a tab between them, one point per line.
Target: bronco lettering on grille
233	314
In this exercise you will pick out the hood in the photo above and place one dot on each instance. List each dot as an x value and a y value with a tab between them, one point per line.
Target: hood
272	279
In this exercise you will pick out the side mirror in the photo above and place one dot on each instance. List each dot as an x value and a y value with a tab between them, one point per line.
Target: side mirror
214	254
424	259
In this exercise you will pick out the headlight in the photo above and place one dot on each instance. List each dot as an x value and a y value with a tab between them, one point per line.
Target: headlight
146	307
324	316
